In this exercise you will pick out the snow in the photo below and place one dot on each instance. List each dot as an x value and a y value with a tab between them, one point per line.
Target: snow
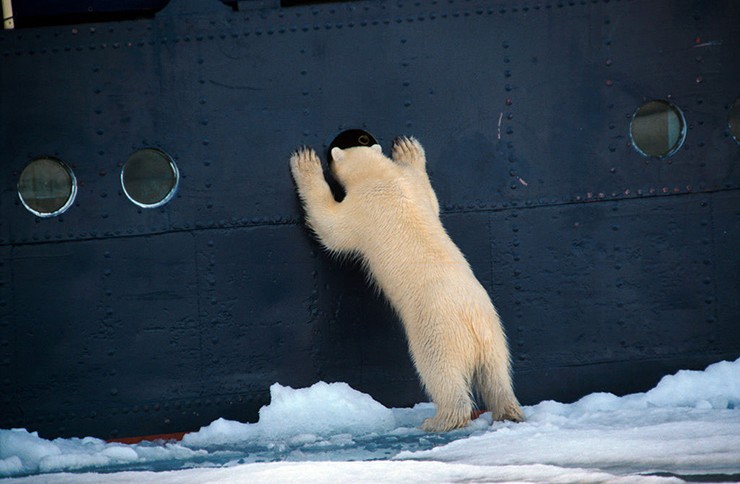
688	425
324	409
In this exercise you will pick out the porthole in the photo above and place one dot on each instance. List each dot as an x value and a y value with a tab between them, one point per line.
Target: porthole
658	129
350	138
734	121
47	187
150	178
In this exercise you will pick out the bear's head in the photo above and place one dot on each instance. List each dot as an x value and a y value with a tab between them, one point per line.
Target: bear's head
358	163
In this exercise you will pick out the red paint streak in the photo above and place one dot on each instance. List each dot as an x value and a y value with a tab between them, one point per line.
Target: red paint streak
476	413
149	438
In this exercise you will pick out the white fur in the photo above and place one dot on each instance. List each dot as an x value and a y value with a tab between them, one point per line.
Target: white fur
390	218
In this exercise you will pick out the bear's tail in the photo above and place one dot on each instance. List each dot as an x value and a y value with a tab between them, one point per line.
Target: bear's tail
495	388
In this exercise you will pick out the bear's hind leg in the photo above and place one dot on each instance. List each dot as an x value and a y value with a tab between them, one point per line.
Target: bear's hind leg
450	392
493	381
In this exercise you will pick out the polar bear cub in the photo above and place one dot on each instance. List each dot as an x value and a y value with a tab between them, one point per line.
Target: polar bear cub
390	218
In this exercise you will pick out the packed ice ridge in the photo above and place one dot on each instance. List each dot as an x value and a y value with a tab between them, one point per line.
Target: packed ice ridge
689	424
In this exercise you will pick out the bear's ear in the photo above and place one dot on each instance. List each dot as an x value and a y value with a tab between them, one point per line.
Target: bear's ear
337	153
377	148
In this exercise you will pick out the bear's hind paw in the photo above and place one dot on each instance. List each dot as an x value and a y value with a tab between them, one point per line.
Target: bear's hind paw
443	424
511	412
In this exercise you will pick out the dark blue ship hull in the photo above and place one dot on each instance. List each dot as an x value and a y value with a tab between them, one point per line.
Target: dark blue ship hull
610	267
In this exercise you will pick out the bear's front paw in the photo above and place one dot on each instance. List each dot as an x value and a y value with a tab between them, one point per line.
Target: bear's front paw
408	150
305	163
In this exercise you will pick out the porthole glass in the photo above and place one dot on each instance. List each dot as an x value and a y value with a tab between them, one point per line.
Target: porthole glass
735	120
150	178
47	187
658	129
350	138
